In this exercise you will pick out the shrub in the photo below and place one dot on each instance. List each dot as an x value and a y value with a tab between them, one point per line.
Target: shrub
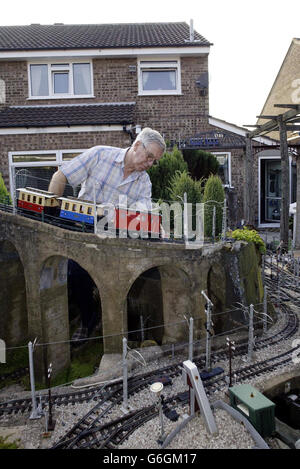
214	196
200	163
4	194
250	236
162	173
182	182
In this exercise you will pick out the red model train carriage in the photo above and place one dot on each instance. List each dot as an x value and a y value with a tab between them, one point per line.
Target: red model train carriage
135	221
38	201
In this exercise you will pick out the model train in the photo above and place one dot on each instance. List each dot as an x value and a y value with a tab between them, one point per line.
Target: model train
80	214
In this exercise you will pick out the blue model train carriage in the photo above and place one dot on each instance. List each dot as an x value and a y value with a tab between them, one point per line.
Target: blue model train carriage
79	210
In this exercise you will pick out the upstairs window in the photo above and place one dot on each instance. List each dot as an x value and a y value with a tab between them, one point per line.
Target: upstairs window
159	77
60	80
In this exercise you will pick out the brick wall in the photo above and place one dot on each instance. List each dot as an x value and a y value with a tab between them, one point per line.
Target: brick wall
183	114
63	141
113	82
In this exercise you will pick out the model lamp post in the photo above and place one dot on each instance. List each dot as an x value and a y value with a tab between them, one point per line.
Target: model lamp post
156	389
51	422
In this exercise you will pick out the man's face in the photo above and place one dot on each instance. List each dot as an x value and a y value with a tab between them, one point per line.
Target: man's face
145	156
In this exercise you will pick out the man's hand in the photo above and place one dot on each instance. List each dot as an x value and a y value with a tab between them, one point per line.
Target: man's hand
58	183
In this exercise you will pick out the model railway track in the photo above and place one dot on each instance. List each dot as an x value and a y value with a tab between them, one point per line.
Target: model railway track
112	434
90	433
25	405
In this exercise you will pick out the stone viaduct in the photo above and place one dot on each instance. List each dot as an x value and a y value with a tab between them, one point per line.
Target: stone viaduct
33	282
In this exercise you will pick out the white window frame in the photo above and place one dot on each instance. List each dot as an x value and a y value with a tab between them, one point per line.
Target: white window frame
69	68
228	153
157	63
27	164
275	157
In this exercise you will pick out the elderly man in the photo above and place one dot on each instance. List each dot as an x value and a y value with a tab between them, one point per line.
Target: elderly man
110	174
113	172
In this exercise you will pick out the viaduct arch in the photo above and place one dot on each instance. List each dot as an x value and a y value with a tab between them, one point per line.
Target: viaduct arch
114	265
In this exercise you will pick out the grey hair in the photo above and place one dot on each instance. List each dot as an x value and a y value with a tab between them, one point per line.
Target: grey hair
147	136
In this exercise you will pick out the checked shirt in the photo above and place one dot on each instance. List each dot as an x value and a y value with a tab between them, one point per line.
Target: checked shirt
100	171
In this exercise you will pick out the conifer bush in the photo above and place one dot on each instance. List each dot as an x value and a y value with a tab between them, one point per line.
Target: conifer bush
214	196
182	182
4	194
161	174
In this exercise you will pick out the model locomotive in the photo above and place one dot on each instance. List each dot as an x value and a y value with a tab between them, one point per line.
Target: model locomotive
80	214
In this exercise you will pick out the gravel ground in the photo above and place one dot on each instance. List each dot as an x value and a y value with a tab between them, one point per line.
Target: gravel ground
193	436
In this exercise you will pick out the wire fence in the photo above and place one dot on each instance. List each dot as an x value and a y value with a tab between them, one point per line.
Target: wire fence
180	220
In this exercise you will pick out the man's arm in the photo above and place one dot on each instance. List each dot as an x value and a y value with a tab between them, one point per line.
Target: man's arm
57	183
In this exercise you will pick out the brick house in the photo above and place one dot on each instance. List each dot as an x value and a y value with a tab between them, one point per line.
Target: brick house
66	88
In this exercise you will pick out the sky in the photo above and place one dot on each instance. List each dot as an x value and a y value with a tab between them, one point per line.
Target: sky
250	39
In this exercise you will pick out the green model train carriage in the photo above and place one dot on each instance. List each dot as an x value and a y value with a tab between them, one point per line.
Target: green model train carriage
258	409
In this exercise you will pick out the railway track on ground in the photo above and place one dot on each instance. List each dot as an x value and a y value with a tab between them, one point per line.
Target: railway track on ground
111	434
92	432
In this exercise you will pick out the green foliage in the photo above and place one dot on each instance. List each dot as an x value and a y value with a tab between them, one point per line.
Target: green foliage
162	173
201	164
4	444
4	194
182	182
214	196
250	236
16	359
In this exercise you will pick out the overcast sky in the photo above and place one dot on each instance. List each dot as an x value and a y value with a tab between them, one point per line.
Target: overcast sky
251	39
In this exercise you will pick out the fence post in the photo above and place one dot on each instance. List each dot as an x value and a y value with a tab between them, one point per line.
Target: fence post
185	218
251	333
208	333
265	310
125	377
35	414
191	326
224	221
142	328
214	224
279	290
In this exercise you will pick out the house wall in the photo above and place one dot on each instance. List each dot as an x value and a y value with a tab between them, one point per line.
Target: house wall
176	115
63	141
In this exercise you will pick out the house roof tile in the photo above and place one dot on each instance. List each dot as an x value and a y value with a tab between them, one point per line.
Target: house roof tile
90	36
67	115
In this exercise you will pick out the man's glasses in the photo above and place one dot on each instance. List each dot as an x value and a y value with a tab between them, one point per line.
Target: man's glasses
150	157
